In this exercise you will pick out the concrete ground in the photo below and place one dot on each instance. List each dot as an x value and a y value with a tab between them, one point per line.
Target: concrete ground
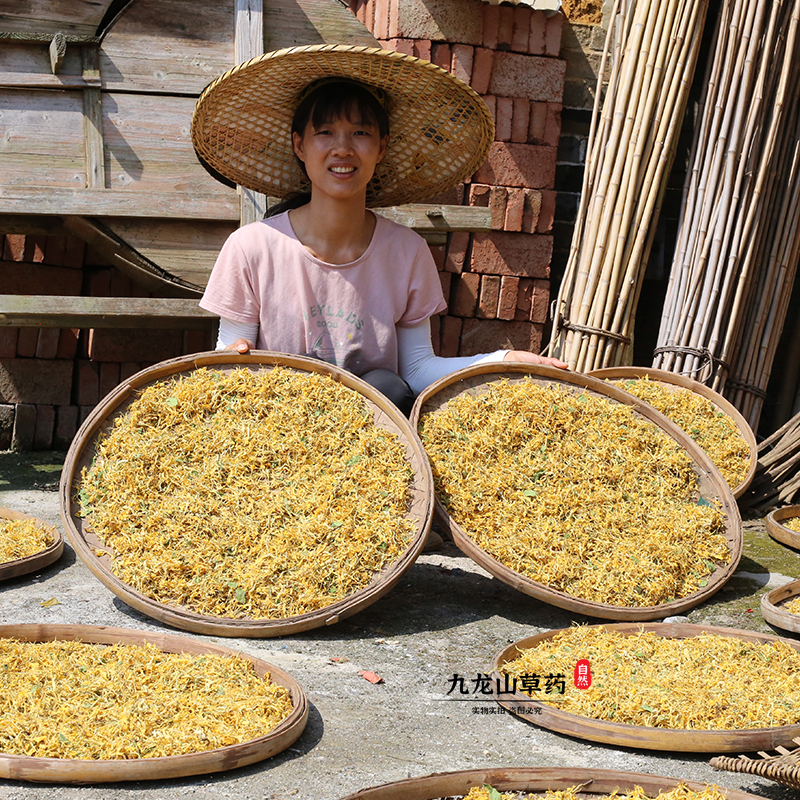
447	616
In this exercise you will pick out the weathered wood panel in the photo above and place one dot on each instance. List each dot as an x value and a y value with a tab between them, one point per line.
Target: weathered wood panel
32	60
290	24
80	17
42	139
174	47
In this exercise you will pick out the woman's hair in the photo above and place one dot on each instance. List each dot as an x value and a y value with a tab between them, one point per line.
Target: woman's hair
328	101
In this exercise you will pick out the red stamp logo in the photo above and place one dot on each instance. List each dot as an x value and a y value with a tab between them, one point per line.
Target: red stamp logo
583	674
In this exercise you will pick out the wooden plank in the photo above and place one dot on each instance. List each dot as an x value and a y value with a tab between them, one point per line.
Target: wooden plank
79	17
28	80
425	218
34	225
32	59
174	48
289	24
117	203
50	311
93	122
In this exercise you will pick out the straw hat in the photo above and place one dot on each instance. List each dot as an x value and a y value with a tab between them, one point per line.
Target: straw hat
440	129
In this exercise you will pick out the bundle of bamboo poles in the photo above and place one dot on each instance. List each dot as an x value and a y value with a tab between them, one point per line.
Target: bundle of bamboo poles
777	478
739	238
652	47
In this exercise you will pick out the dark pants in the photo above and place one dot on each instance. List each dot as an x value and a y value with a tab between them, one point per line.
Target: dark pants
392	386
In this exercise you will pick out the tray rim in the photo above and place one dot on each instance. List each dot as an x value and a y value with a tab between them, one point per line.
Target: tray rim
734	533
779	532
675	379
58	770
641	736
186	619
35	561
440	784
772	612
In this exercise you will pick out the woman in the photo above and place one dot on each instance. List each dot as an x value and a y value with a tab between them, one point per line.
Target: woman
323	275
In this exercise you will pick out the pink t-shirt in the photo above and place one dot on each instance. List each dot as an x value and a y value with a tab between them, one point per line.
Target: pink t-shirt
344	314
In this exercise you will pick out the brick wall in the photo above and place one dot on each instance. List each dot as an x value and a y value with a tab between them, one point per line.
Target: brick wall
51	378
497	284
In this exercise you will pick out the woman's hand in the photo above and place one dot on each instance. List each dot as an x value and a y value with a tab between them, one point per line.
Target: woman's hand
533	358
241	346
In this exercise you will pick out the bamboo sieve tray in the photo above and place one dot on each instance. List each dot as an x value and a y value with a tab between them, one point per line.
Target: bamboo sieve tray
35	561
682	382
102	418
528	779
781	767
772	607
778	531
712	486
640	736
57	770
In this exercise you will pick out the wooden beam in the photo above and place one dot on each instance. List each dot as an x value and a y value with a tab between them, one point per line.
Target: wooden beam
426	218
42	80
51	311
93	121
57	49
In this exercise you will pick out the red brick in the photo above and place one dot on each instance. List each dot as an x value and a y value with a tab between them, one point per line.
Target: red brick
29	380
27	340
457	251
489	297
491	26
24	427
515	208
451	197
507	304
530	216
199	341
522	29
504	118
92	258
505	28
436	321
547	212
520	254
66	426
552	124
491	104
381	29
482	61
487	335
109	378
359	10
451	333
538	121
519	124
54	248
535	77
73	252
401	46
120	285
540	301
479	195
8	343
34	249
14	247
439	253
461	60
6	426
47	342
100	283
498	201
422	48
41	279
465	294
536	40
552	45
524	295
83	412
123	344
88	383
446	280
440	55
527	165
393	21
67	342
45	424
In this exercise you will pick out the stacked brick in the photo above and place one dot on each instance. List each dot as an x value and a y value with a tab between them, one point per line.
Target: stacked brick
51	378
497	283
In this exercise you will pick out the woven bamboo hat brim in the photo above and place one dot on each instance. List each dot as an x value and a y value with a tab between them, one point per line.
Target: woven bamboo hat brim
782	768
440	129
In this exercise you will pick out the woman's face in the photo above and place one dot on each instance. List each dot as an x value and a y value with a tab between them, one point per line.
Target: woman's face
340	156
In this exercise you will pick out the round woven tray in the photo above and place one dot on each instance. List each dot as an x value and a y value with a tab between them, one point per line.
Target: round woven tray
102	418
527	779
623	735
22	566
778	531
682	382
67	770
781	767
772	607
712	486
